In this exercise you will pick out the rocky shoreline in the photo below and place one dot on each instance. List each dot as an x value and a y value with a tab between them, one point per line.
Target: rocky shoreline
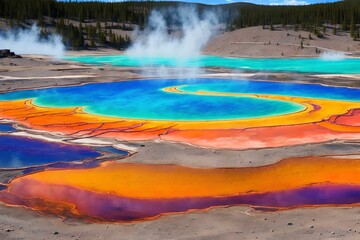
6	53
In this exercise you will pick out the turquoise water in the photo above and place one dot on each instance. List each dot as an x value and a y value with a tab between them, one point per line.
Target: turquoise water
145	99
298	65
276	88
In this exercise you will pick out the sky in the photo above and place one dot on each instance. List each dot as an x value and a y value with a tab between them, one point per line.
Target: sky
265	2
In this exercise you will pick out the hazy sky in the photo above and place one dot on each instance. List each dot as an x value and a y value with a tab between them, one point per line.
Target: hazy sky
268	2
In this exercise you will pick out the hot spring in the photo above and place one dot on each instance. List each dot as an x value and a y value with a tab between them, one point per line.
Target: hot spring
94	184
322	65
204	112
194	100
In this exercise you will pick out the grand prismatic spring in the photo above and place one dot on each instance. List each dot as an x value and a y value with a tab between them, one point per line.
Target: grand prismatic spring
210	113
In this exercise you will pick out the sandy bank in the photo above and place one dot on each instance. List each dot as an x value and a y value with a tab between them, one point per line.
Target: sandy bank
221	223
258	42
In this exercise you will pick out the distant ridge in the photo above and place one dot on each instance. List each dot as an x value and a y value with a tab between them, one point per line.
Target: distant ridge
123	17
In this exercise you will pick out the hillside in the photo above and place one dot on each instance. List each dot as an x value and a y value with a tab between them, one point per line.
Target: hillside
259	42
90	25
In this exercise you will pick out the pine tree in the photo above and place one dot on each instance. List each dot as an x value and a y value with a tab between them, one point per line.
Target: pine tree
344	26
303	26
119	42
113	38
352	28
98	27
296	27
81	36
92	43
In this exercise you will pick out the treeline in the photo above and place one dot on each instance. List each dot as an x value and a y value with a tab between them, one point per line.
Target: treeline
129	11
342	12
100	20
137	12
87	14
86	35
316	18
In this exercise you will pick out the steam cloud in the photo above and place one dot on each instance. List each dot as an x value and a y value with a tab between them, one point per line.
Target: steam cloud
178	35
332	56
29	42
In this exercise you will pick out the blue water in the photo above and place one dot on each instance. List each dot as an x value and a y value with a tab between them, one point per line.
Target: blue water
20	152
76	165
277	88
6	127
145	99
111	149
63	165
299	65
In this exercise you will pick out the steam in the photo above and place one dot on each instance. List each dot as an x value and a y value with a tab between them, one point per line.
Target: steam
177	36
29	42
332	56
15	161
